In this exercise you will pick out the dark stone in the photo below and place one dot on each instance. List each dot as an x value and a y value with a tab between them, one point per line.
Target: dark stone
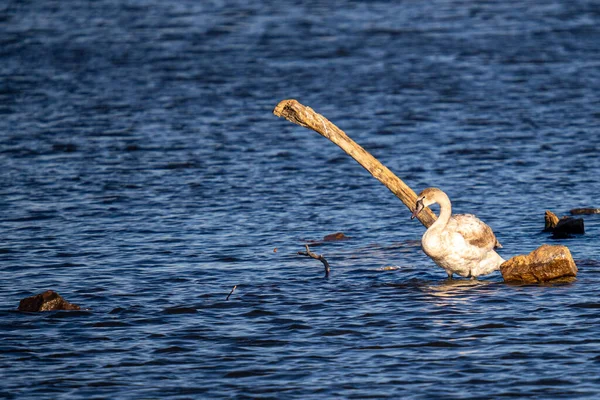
564	227
569	225
47	301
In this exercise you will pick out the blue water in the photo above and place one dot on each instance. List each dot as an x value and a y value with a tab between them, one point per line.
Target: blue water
143	175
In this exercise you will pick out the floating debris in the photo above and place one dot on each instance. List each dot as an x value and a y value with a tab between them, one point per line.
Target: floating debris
230	293
316	257
388	268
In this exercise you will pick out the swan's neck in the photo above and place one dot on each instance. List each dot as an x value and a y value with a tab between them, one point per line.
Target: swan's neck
445	211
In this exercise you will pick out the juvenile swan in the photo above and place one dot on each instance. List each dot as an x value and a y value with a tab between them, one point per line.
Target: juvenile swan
461	244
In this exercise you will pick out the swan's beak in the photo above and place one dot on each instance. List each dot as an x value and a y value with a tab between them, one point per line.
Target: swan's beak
418	208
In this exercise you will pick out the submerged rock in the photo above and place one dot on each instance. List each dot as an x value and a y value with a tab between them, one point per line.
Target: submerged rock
546	263
578	211
563	227
47	301
334	237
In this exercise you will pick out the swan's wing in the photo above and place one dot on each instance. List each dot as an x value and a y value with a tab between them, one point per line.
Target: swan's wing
474	231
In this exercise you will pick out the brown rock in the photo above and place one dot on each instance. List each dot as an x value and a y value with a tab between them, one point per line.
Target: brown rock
550	221
578	211
544	264
47	301
335	237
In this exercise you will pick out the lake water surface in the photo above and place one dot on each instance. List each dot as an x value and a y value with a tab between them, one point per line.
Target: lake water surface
143	175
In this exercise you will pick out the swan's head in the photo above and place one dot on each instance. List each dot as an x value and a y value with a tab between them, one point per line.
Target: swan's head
426	198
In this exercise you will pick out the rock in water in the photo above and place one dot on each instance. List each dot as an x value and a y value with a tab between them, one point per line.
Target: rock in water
334	237
550	221
544	264
567	226
564	227
47	301
578	211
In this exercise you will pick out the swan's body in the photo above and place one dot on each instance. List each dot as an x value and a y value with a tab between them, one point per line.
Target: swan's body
461	244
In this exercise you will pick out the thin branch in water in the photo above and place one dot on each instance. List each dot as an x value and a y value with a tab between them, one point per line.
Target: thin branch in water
230	293
309	253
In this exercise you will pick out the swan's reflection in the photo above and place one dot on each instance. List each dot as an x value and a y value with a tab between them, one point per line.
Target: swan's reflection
454	287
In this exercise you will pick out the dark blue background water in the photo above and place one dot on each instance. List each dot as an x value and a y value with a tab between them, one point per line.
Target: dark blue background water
143	175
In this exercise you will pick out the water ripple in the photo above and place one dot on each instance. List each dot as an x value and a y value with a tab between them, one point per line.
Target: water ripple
144	176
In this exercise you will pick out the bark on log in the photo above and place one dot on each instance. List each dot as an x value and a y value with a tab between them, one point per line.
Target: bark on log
304	116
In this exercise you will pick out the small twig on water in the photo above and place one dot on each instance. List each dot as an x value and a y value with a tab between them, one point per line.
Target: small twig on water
316	257
230	293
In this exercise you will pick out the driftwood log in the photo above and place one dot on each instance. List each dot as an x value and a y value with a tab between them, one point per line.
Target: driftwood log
308	118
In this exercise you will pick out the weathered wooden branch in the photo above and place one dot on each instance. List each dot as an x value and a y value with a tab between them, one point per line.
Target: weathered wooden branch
304	116
316	257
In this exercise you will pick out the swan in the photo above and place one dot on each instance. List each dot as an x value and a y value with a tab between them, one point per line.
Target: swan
460	244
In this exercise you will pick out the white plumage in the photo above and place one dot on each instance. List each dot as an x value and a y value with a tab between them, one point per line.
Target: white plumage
460	244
